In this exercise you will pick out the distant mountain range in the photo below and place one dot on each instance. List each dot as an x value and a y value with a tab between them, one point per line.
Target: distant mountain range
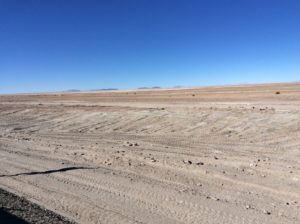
77	90
154	87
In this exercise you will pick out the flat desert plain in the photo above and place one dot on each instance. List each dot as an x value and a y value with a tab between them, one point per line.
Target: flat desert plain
226	154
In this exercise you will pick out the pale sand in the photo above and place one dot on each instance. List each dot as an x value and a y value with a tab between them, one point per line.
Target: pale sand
204	155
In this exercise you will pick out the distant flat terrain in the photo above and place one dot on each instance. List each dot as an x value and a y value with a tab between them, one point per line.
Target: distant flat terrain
226	154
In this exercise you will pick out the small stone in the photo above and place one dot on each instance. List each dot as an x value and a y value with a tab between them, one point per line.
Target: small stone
267	212
190	162
183	190
215	199
200	163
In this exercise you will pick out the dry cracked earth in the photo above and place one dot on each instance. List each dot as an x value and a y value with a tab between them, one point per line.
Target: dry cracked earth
202	155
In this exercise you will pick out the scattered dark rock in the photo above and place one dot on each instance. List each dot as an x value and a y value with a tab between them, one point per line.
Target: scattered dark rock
190	162
153	160
200	163
277	93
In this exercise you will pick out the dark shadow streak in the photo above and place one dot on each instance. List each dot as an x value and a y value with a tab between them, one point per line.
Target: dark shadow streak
49	171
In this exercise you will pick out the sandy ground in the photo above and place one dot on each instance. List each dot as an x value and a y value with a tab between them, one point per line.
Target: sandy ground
205	155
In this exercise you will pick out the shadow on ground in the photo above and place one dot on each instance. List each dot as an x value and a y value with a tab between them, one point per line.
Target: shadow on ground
7	218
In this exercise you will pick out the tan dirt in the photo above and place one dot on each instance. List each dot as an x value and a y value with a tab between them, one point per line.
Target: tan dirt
202	155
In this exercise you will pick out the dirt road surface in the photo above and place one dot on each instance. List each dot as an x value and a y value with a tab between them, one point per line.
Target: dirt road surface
203	155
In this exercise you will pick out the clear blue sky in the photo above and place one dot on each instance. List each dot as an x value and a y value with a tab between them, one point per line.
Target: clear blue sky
49	45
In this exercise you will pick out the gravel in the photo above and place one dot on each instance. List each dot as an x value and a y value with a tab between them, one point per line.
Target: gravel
15	209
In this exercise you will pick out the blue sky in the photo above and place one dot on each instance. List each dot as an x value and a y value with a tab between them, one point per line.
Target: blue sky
53	45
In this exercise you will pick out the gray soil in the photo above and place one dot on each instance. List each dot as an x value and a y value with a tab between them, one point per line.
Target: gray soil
15	209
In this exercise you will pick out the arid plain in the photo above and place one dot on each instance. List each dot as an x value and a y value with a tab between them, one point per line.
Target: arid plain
202	155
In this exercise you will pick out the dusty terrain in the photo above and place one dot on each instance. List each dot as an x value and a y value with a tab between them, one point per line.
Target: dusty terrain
205	155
